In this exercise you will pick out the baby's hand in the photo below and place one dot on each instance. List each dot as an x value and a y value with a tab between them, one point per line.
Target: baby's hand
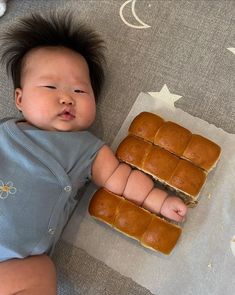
174	208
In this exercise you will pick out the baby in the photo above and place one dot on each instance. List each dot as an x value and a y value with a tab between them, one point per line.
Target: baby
57	71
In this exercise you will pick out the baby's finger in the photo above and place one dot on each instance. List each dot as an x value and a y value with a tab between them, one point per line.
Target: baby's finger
182	211
173	215
178	217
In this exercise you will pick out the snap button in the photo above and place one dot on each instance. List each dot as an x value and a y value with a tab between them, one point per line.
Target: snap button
51	231
68	188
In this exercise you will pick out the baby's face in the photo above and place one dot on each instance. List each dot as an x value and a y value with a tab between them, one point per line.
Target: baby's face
56	92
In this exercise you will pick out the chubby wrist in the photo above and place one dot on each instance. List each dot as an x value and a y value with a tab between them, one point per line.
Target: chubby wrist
155	200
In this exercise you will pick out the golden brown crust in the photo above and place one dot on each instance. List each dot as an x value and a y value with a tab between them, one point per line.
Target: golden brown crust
161	235
146	125
163	166
152	231
104	205
133	150
202	152
173	138
131	219
176	139
160	163
187	178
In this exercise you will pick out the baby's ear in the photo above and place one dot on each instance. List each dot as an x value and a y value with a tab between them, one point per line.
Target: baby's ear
18	98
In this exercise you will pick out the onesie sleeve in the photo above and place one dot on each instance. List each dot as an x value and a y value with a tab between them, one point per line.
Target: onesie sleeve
94	145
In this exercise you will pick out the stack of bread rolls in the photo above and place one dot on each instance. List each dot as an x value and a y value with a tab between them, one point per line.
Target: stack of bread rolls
170	154
134	221
178	140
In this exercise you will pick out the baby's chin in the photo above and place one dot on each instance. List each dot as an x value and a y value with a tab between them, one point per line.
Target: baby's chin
57	126
65	128
69	126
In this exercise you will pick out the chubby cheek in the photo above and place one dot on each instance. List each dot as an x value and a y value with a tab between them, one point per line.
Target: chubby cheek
87	113
35	113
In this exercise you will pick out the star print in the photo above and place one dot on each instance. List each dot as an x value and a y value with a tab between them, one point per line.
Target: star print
166	96
232	50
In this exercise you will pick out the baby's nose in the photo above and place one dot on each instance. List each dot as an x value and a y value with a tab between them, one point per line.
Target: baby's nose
66	99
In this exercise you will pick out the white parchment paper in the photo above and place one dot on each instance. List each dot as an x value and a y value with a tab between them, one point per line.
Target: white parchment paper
202	261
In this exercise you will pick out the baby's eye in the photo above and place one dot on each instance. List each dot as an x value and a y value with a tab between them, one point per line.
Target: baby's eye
49	86
79	91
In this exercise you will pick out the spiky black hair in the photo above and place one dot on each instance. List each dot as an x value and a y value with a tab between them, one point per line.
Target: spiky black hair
55	29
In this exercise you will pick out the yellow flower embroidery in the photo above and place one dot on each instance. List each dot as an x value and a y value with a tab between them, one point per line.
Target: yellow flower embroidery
6	189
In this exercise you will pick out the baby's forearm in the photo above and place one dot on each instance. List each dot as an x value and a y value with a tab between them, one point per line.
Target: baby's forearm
134	185
137	187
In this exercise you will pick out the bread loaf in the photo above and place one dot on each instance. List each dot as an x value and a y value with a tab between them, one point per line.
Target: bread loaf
172	155
163	166
178	140
134	221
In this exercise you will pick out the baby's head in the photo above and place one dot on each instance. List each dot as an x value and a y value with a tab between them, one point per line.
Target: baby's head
57	70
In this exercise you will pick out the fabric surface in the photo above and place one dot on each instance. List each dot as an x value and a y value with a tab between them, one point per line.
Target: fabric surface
42	174
91	275
185	48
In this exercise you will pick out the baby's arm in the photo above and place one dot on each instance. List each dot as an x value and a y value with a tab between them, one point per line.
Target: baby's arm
120	179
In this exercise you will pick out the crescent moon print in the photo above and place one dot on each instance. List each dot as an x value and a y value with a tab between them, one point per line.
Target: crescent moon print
141	25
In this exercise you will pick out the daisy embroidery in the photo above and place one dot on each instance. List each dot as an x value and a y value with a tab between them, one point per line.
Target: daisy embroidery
6	189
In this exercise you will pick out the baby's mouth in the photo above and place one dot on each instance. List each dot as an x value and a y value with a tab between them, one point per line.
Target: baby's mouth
67	115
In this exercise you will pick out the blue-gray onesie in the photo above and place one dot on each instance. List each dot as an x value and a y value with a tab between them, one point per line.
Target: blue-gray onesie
40	175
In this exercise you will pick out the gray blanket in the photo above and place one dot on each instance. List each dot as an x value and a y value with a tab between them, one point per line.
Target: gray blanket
183	44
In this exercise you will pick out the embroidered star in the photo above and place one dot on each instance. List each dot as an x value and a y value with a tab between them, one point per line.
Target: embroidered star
232	50
166	96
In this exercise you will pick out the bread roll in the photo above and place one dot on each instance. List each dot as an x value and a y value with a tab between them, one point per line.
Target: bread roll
146	125
134	221
202	152
172	137
176	173
176	139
